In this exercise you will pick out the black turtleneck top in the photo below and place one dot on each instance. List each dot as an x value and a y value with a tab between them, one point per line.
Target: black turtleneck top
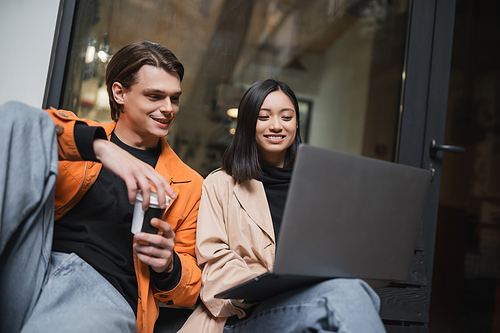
276	182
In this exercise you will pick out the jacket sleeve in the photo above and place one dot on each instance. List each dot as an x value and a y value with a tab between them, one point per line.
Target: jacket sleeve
222	267
64	125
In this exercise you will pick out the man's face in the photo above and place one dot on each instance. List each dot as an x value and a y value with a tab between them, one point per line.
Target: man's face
150	107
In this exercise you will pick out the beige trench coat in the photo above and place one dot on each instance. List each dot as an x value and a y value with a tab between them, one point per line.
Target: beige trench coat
234	242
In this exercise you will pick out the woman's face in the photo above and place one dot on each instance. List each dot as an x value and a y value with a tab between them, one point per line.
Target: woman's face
276	128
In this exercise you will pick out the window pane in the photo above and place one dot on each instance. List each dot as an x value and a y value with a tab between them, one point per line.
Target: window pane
343	59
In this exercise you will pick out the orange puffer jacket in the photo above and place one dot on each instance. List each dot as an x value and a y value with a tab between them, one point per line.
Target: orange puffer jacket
77	176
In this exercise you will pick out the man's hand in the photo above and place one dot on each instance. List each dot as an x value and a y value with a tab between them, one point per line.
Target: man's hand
158	253
134	172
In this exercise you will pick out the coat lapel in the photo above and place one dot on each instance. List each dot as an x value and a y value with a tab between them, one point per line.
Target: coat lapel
252	197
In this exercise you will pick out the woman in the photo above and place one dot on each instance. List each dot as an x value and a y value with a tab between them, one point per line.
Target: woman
238	222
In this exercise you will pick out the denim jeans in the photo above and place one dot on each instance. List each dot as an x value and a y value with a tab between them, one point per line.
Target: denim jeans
76	298
40	291
336	305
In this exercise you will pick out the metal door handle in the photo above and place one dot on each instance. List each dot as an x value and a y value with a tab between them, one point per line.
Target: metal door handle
453	149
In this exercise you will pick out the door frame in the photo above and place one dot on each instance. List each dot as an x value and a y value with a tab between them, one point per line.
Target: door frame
60	52
424	102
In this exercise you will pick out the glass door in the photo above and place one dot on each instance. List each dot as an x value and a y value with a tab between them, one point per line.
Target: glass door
466	280
343	58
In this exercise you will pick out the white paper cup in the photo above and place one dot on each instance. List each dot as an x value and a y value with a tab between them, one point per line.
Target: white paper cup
141	220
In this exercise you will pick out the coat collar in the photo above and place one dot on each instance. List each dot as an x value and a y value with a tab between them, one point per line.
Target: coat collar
252	197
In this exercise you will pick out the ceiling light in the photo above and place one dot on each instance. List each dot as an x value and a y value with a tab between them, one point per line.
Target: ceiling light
233	113
89	55
103	56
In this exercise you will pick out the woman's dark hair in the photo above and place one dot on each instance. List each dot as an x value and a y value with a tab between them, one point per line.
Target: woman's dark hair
241	158
125	64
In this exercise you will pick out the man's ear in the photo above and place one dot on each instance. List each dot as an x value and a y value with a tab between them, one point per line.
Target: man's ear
118	92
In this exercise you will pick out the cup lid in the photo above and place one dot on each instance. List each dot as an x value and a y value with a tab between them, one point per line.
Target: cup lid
153	198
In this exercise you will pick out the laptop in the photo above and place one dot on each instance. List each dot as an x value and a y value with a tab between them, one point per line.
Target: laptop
346	216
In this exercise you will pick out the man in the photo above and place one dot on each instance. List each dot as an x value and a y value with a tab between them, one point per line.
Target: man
93	274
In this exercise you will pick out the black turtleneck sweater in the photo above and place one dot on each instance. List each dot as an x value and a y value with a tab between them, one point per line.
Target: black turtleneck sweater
276	182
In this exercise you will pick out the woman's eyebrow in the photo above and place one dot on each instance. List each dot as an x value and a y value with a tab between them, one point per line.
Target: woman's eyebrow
282	110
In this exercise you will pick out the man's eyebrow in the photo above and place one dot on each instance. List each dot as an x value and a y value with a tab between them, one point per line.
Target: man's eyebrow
159	91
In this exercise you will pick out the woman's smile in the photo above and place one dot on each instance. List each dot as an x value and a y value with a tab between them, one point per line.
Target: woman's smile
275	138
276	128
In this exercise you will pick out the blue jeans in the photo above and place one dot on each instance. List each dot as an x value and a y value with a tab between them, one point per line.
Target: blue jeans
42	291
337	305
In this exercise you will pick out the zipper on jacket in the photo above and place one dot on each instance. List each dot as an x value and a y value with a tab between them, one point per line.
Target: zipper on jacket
181	182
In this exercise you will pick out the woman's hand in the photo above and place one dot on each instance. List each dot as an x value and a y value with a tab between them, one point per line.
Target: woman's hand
135	173
156	250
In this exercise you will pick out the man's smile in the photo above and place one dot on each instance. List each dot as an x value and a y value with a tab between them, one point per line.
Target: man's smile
164	121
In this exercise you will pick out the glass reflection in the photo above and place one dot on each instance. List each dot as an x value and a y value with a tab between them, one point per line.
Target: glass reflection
343	58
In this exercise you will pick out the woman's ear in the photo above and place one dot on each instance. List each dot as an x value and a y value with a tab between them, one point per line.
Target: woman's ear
118	93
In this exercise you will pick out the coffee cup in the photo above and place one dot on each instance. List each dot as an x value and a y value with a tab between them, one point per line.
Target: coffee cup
141	220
